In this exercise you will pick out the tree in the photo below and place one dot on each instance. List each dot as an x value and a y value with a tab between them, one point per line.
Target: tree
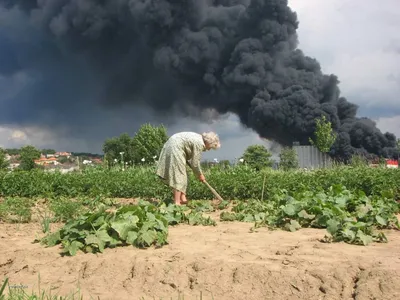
288	159
86	154
13	151
48	151
28	156
3	161
113	148
324	135
257	156
64	159
148	142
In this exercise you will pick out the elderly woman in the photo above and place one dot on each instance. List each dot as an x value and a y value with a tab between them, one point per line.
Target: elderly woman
181	149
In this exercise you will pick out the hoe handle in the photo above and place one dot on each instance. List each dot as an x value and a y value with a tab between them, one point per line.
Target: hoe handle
213	191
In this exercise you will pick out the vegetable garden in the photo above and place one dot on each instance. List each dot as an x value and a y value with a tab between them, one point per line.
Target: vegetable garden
355	205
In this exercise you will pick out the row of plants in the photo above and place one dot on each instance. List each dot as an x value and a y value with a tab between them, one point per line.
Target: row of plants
93	224
349	202
141	225
238	182
352	217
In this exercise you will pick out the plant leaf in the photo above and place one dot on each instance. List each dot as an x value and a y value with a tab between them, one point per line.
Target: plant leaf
365	239
74	247
289	210
149	237
381	220
132	237
332	226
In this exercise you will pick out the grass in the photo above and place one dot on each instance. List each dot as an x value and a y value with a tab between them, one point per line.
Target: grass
18	292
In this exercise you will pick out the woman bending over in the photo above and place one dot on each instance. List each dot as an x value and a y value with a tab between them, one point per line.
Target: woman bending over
181	149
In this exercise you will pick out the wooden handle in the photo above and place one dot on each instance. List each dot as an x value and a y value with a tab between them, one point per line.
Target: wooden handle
213	191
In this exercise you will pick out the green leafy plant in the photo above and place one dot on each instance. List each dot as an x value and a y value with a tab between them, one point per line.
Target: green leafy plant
65	208
148	142
258	157
238	182
28	156
349	217
4	163
138	225
119	150
288	159
16	209
45	221
141	225
325	137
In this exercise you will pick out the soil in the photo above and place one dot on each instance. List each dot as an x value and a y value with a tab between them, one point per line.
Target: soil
222	262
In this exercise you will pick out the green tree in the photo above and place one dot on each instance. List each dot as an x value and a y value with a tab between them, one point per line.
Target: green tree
13	151
324	135
86	154
48	151
358	160
113	148
288	159
64	159
148	142
258	157
3	161
225	163
28	156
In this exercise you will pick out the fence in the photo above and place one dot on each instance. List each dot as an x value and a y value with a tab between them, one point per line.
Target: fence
311	158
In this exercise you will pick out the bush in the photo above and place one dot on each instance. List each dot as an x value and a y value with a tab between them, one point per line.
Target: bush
239	182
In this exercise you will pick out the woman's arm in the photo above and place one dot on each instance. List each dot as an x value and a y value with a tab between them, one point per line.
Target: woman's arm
195	162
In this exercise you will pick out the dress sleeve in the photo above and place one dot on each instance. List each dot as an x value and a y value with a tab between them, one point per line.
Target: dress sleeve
195	161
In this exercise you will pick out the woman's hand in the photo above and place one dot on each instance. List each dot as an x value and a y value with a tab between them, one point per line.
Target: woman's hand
202	178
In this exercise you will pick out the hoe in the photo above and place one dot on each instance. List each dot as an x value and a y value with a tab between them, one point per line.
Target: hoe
213	191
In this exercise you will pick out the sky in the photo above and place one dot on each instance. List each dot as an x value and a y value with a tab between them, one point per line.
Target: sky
356	40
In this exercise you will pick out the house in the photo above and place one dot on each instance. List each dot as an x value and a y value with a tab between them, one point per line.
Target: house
13	166
64	154
391	163
97	160
46	161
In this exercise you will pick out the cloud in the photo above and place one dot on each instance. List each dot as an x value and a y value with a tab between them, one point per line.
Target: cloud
359	42
18	135
391	124
356	40
234	137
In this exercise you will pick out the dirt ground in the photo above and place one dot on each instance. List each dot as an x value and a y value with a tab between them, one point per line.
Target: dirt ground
222	262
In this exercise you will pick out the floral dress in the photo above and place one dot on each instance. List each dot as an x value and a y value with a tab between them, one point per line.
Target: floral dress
181	149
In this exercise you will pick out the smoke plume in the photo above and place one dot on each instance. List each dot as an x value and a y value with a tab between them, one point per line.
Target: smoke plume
173	56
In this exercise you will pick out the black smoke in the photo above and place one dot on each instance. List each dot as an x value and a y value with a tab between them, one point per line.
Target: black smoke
237	56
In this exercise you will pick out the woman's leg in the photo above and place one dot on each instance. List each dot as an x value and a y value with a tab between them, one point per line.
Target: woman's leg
183	198
177	197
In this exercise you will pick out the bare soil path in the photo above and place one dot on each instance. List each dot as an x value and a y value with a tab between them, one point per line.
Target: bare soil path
222	262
